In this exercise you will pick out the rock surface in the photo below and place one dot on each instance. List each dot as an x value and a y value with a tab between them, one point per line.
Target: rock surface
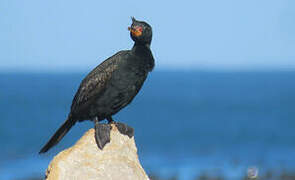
117	161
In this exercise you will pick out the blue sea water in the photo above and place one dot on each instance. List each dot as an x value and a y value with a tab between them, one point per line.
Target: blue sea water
186	123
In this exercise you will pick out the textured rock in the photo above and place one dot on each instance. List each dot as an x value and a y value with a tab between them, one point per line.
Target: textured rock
118	160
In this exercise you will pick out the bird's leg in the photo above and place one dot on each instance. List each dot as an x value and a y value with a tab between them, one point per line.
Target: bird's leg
102	133
110	120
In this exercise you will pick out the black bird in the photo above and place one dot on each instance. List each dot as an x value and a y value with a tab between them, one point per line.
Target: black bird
110	86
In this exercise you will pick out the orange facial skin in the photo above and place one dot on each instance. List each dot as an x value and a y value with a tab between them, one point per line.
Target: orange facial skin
135	31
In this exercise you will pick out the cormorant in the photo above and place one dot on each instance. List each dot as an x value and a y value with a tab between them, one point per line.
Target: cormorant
110	86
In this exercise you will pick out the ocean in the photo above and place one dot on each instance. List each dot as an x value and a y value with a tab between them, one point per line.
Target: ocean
186	122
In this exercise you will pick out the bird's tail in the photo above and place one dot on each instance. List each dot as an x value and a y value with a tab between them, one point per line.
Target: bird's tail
59	134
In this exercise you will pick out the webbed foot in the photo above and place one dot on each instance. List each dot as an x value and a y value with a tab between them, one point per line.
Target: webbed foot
102	131
102	134
125	129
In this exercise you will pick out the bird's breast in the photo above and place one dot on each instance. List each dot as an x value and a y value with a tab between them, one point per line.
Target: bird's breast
120	90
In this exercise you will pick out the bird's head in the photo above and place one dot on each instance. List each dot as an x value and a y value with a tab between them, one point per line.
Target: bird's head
140	32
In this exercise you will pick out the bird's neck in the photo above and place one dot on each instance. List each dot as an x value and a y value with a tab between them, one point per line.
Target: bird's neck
145	54
141	49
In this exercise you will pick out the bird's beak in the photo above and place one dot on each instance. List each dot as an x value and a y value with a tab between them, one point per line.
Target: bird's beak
135	31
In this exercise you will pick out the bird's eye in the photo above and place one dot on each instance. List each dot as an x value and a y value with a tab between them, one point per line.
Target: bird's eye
138	28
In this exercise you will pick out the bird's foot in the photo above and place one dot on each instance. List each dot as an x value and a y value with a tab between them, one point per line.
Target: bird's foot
102	134
125	129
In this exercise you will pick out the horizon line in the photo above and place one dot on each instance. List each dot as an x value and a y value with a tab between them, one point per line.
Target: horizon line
161	69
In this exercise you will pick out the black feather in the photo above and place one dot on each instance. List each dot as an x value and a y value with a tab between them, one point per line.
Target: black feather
58	135
110	86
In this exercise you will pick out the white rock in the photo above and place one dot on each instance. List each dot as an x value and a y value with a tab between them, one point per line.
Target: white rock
85	161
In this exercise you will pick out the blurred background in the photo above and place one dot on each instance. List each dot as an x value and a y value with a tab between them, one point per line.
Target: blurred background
220	100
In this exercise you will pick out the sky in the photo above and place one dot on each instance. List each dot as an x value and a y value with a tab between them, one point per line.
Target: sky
69	35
